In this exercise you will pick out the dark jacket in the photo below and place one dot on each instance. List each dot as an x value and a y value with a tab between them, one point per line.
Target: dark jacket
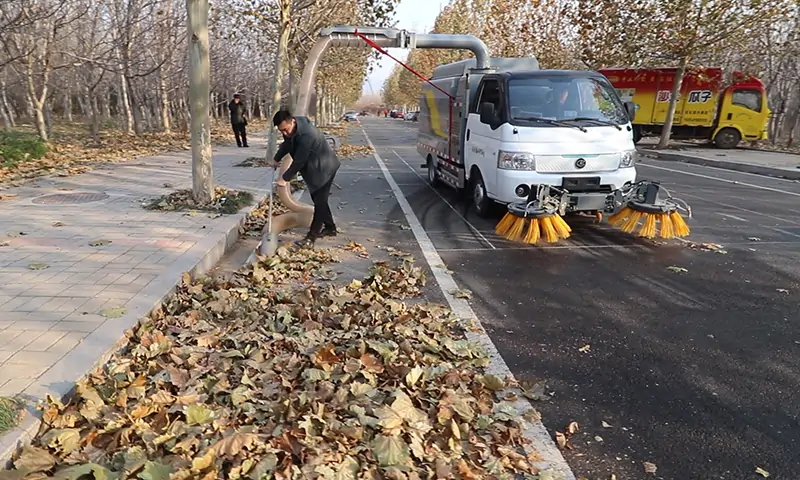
238	112
312	155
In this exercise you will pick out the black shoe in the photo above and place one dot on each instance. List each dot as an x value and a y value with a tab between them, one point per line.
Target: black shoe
328	232
307	242
245	145
239	145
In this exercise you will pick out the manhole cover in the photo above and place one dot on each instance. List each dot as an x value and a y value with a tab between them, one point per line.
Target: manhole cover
69	198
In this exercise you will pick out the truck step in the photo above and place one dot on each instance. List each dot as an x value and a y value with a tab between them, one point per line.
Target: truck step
424	165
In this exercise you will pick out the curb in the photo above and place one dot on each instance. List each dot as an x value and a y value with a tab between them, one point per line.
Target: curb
108	338
734	166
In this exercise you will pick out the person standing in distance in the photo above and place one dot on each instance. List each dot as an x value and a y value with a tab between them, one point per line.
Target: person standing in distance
313	157
238	120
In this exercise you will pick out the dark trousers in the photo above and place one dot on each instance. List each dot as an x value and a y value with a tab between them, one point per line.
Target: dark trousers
323	217
240	130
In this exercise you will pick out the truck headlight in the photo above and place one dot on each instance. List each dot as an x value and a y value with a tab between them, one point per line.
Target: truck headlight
516	161
627	158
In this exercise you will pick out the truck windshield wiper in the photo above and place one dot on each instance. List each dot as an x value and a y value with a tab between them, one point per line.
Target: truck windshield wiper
590	119
551	122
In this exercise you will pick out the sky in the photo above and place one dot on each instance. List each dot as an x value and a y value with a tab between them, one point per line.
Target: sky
412	15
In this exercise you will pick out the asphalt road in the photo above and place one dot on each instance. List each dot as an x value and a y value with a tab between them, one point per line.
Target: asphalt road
696	372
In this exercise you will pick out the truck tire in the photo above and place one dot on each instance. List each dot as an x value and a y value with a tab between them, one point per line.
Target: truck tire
484	206
433	179
637	134
727	138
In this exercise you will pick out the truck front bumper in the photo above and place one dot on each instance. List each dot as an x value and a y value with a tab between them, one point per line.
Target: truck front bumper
588	191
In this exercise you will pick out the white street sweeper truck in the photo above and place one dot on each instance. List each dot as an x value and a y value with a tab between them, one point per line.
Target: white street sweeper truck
543	143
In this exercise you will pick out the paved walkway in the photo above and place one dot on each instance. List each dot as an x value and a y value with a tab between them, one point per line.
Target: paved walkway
786	165
67	295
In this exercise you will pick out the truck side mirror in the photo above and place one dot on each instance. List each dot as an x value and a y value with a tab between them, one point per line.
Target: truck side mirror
487	114
630	108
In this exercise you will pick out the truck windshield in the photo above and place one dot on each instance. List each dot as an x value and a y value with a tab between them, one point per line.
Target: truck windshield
579	99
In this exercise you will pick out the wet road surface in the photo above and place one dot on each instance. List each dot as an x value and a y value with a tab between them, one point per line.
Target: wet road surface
696	372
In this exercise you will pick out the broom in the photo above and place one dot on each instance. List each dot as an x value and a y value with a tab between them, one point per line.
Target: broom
651	211
533	221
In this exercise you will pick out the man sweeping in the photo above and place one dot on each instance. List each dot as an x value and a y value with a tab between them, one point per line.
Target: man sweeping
238	120
312	157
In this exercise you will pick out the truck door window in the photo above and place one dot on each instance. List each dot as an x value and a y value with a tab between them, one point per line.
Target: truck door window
490	93
749	99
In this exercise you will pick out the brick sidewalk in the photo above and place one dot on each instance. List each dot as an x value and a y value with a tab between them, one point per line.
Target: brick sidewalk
62	300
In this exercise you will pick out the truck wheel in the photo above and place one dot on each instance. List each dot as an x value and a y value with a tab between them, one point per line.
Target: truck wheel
433	179
637	134
483	204
727	138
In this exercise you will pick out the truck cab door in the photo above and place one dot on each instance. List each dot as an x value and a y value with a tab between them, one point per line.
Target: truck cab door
482	140
746	109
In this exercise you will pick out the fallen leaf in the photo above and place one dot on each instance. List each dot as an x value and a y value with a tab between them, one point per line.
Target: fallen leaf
38	266
58	224
585	348
99	242
155	471
676	269
461	293
114	312
34	459
605	424
762	472
572	428
649	467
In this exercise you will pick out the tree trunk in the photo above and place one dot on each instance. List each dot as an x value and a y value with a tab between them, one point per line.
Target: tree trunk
166	123
666	132
199	94
37	102
124	102
284	33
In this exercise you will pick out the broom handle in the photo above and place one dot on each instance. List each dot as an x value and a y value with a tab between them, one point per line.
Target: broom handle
271	196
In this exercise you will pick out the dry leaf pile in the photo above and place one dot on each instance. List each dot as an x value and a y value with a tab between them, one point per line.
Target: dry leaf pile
254	162
351	151
251	378
225	201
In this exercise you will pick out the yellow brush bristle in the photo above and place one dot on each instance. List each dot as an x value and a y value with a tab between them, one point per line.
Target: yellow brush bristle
547	230
648	229
619	218
505	224
666	226
515	233
561	227
630	224
532	237
679	226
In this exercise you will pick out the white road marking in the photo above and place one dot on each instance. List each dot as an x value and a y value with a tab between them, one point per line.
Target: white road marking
536	433
741	209
731	216
724	180
471	226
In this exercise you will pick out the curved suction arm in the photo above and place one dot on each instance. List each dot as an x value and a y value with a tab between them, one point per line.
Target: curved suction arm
345	36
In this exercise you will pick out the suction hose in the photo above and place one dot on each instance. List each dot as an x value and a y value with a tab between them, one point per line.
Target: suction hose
299	215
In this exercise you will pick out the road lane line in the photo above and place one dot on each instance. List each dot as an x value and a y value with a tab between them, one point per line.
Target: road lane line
470	225
724	180
732	216
741	209
541	443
